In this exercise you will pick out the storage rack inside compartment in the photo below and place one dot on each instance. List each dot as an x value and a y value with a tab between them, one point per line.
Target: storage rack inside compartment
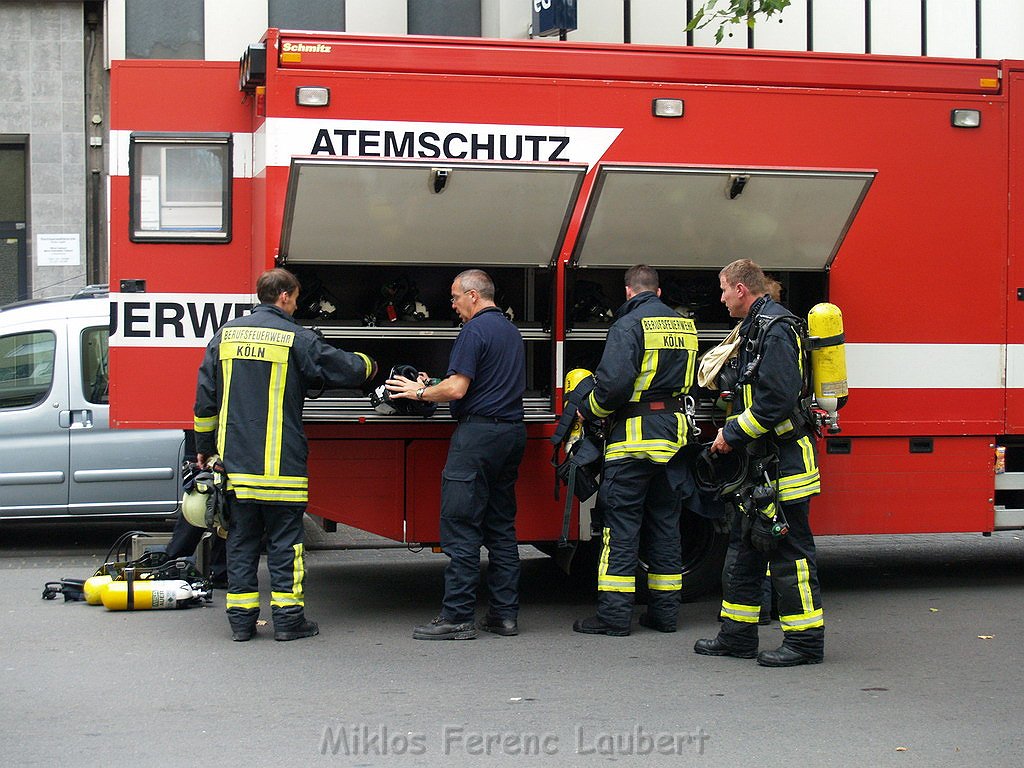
403	315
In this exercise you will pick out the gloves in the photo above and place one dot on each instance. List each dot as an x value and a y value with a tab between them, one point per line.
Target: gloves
764	523
762	538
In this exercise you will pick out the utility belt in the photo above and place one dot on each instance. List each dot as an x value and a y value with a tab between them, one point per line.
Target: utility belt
473	418
648	407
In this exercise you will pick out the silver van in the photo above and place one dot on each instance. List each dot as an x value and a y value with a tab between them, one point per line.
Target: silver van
58	458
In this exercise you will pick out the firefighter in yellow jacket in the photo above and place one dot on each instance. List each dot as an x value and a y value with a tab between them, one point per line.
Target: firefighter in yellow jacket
648	363
248	411
770	425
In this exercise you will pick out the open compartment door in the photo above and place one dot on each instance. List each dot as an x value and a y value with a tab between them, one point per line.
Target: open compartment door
704	218
408	212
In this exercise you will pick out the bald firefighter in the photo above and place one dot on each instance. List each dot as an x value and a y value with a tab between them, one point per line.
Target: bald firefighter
647	365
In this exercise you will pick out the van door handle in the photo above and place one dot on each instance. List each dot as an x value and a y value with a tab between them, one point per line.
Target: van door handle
75	419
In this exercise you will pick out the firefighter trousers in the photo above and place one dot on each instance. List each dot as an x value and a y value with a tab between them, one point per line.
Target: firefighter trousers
283	528
639	505
794	575
478	508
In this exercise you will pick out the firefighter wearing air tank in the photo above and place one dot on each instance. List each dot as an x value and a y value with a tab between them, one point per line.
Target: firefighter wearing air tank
768	423
648	364
252	383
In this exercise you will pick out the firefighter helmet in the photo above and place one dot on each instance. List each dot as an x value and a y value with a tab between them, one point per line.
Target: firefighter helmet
574	377
203	504
721	474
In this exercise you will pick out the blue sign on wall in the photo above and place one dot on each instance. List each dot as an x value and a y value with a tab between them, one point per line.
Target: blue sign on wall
550	17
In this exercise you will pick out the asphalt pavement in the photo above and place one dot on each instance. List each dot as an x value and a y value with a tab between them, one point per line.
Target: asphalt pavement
923	668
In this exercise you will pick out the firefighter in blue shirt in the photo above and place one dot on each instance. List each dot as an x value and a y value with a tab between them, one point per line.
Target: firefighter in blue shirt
252	383
768	423
485	383
648	364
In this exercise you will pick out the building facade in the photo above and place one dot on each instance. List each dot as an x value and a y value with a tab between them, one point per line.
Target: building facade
53	106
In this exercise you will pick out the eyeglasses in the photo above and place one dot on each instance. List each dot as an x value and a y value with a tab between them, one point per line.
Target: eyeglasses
457	296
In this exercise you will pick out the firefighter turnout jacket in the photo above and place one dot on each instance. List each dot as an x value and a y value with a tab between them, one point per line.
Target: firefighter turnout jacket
765	406
251	386
649	361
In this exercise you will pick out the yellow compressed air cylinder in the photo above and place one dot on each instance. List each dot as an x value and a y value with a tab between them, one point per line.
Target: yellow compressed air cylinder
828	359
94	587
146	594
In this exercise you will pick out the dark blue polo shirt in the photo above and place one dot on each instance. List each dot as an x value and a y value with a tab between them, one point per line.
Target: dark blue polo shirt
489	350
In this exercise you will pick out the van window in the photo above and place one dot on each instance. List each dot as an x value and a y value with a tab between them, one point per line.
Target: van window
180	187
95	381
26	368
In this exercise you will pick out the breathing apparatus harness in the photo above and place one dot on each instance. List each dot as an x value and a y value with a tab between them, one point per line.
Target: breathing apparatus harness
821	342
582	441
744	476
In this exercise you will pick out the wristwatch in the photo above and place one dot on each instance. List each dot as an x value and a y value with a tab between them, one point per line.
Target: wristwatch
419	393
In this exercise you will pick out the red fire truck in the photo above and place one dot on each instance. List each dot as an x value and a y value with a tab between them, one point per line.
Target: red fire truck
378	168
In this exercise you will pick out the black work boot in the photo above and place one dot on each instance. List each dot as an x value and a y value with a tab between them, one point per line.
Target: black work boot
443	628
500	626
715	647
647	619
786	657
595	625
299	631
243	634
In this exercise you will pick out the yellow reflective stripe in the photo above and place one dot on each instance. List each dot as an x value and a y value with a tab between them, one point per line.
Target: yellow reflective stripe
298	569
263	494
657	457
596	409
750	425
676	333
222	425
285	599
605	582
254	350
275	419
800	621
608	583
807	450
803	584
205	423
665	582
791	481
602	563
648	367
273	481
366	362
256	335
799	486
783	427
658	450
747	614
243	600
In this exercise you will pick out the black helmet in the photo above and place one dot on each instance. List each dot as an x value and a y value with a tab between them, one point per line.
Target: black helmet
721	474
384	404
